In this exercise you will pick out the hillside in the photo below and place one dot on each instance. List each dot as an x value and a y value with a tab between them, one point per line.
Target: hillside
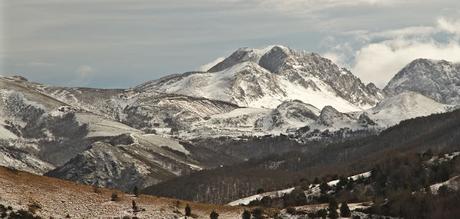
438	132
50	197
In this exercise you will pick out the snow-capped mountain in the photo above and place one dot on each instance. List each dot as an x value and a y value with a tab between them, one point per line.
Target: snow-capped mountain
264	78
102	136
439	80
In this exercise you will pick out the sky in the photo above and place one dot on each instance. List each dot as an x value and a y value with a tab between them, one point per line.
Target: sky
122	43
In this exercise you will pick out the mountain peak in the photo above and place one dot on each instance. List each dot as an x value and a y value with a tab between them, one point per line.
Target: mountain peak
437	79
246	54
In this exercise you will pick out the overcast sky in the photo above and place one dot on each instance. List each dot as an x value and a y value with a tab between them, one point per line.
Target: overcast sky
121	43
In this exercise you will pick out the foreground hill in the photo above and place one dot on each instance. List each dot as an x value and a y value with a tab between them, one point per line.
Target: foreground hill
50	197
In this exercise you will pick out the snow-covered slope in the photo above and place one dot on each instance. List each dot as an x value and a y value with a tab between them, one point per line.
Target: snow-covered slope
270	76
127	161
41	133
404	106
288	115
439	80
313	190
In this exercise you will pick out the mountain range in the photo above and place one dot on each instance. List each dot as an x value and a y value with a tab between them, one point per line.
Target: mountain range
254	103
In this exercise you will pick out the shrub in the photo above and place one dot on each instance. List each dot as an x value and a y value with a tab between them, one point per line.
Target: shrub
246	215
114	197
214	215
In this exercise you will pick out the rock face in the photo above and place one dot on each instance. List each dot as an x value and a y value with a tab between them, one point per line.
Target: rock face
270	76
439	80
329	116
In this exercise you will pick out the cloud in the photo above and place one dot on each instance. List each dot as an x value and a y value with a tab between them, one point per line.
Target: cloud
377	56
209	65
84	71
449	25
318	5
378	62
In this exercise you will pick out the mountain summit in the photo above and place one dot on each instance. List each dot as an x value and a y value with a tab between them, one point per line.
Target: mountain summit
264	78
439	80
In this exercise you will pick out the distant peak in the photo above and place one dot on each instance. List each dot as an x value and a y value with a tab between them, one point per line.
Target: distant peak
246	54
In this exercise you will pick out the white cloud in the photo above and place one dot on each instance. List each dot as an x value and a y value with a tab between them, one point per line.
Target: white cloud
449	25
335	57
378	62
378	56
209	65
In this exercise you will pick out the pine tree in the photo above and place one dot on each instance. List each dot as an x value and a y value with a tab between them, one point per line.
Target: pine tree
214	215
344	210
188	210
333	208
324	188
246	215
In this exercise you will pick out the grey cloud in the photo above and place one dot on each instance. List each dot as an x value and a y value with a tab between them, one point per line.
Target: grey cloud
129	42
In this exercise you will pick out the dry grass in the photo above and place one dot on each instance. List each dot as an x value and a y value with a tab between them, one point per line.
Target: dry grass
50	197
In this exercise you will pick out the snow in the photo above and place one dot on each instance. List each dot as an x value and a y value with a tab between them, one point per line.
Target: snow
404	106
98	126
274	194
163	142
354	177
5	133
226	85
313	191
210	85
452	183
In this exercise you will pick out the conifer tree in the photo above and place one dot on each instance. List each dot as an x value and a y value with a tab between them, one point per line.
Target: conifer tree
344	210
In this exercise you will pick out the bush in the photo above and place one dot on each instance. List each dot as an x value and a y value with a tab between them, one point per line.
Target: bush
246	215
114	197
214	215
291	211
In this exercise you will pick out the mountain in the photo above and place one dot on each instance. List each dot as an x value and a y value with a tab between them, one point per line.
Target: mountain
439	80
253	104
264	78
45	135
